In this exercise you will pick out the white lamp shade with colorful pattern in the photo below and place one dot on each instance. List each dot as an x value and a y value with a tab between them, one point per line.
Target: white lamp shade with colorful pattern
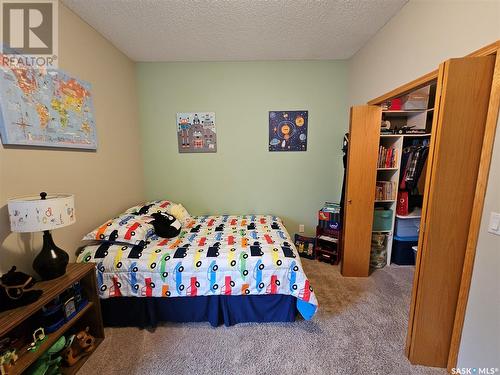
32	214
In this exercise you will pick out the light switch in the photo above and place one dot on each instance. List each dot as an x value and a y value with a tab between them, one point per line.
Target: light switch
494	226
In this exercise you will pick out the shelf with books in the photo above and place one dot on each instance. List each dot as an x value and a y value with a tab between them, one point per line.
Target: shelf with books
388	169
404	135
399	112
388	156
405	120
390	135
386	191
414	135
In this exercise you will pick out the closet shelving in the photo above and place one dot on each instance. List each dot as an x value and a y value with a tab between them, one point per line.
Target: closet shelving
413	135
398	137
466	117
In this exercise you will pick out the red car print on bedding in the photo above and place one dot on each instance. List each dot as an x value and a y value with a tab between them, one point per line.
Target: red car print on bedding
272	288
268	238
163	242
305	293
192	289
147	289
228	285
131	231
114	290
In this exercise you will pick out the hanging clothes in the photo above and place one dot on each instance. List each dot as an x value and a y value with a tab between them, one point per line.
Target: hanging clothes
413	160
345	146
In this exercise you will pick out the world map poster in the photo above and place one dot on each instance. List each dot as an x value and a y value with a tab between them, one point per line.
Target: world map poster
45	108
288	130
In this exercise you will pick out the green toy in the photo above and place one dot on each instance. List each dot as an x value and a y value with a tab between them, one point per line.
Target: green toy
49	362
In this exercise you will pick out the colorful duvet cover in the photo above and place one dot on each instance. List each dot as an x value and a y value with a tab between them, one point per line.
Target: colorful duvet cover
213	255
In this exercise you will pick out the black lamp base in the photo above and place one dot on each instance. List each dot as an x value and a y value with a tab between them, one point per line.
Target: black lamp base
51	262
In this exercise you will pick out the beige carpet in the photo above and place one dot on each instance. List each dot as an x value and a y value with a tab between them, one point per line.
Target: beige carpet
359	329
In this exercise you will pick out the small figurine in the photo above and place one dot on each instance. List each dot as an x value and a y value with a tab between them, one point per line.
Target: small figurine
7	360
38	337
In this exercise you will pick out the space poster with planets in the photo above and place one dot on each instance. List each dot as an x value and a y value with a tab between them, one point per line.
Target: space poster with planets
287	130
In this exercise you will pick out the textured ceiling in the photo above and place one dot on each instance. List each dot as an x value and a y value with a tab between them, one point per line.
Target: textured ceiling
204	30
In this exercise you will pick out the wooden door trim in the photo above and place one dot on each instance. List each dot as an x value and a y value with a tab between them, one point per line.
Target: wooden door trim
435	260
477	212
435	134
483	172
429	77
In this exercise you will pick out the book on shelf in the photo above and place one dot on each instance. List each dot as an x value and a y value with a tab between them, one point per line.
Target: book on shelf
385	190
387	157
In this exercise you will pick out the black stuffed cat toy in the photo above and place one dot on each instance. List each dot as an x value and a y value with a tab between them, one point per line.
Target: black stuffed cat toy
165	225
15	290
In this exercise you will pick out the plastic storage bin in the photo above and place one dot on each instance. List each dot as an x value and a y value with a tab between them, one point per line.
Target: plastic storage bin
382	220
407	227
416	100
402	250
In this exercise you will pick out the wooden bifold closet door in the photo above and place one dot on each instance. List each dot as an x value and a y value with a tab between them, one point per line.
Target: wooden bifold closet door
463	91
362	155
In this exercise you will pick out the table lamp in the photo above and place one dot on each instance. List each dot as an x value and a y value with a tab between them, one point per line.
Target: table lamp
44	213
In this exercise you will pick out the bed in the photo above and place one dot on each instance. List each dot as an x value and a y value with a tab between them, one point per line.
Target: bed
221	269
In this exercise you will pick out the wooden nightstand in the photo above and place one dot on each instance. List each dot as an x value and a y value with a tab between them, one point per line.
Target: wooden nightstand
89	315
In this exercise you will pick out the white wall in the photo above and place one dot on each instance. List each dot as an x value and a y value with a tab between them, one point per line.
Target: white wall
480	345
92	176
412	43
419	37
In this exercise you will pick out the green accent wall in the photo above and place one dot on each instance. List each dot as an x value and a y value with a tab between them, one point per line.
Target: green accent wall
243	177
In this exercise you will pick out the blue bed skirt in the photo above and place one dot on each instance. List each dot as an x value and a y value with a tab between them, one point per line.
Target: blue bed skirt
228	310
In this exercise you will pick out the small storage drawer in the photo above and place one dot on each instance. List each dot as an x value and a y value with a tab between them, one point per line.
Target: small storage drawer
407	227
382	220
402	250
